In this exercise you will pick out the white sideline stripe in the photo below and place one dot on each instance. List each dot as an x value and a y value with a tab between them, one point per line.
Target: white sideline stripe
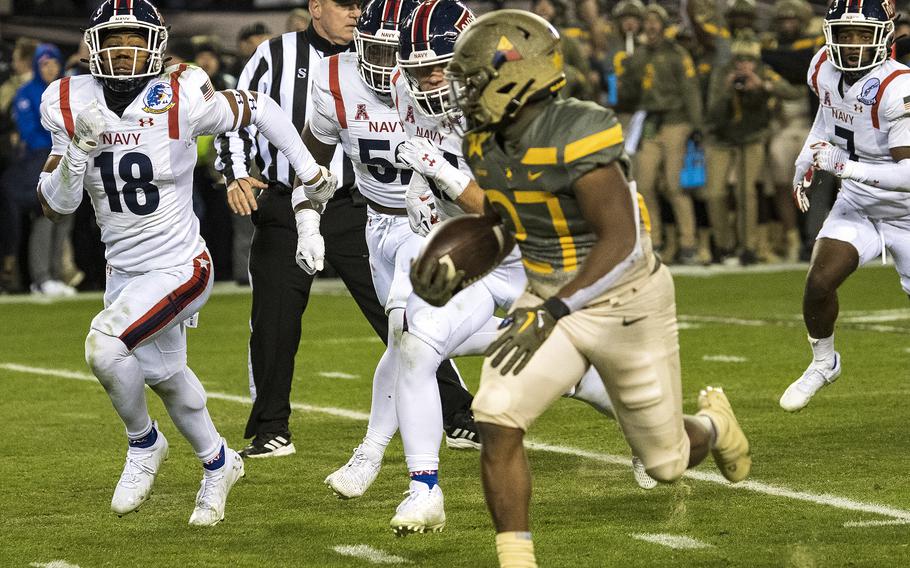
858	524
853	323
340	412
369	554
755	486
54	564
672	540
338	375
724	358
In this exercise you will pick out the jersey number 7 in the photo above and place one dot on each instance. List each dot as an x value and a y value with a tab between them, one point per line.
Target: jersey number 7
131	163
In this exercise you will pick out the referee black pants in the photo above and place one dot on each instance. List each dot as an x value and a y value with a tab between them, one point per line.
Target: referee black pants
281	291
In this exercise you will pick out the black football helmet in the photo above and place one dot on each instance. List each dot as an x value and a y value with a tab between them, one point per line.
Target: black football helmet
138	16
376	41
876	16
428	37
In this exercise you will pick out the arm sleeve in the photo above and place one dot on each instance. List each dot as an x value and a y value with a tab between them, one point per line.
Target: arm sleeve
323	122
237	149
62	188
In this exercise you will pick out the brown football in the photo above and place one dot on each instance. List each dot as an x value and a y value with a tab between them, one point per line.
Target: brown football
473	243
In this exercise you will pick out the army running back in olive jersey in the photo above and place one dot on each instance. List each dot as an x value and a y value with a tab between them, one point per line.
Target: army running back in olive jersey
530	186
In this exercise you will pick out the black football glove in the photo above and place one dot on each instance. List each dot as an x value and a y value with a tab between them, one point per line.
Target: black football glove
527	329
433	283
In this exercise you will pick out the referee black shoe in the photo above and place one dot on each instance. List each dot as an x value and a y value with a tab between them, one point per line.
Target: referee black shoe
461	432
269	445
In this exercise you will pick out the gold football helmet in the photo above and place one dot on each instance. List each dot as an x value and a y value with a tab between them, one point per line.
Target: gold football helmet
503	60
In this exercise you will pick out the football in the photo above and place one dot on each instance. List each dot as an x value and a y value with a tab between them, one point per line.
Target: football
473	243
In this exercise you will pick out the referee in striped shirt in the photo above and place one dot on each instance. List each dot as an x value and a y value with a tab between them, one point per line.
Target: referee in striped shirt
280	69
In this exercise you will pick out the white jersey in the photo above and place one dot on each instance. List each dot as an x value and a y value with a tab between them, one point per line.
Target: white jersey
439	131
347	111
869	119
140	178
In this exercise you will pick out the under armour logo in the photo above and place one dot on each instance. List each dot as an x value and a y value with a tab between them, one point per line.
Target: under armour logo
146	122
426	158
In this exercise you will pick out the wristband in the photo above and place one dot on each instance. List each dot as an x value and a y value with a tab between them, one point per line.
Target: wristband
556	307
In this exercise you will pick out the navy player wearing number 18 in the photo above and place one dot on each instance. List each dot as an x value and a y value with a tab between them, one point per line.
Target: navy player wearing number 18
861	134
126	133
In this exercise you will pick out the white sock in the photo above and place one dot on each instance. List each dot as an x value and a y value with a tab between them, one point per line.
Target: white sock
822	349
591	389
119	373
418	405
184	399
383	417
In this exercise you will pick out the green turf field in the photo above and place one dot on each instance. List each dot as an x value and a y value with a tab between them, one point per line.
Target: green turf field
829	486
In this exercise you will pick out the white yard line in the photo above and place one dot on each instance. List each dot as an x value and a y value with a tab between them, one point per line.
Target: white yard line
337	375
54	564
678	542
370	554
724	358
860	524
823	499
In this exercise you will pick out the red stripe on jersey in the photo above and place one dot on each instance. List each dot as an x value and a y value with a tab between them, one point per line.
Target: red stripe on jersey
395	78
170	306
818	67
173	114
881	92
335	88
65	106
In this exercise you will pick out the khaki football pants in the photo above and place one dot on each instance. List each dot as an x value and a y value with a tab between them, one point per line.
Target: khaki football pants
632	341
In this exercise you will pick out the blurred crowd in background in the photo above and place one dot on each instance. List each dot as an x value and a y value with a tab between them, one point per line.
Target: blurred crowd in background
712	96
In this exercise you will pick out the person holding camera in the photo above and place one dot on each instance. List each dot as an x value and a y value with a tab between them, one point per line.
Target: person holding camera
740	100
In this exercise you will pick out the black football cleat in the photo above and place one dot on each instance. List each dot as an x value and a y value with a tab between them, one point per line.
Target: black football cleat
461	432
269	445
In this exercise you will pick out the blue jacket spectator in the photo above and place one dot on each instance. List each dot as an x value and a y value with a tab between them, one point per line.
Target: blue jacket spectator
46	66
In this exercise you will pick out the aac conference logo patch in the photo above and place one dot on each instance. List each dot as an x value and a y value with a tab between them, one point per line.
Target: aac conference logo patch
159	98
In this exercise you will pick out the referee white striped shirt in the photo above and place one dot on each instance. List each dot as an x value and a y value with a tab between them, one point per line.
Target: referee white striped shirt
280	68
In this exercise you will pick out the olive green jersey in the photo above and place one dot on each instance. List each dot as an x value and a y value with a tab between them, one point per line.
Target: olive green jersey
531	185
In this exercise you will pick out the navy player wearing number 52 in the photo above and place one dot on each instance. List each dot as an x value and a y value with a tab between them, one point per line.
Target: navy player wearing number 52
861	134
126	133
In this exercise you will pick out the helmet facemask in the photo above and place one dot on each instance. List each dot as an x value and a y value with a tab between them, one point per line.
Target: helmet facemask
870	55
376	55
434	102
102	59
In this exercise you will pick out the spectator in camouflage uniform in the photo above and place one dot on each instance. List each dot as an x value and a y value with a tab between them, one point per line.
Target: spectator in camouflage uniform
739	113
660	79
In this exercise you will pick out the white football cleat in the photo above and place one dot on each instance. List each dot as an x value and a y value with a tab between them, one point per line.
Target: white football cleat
642	478
139	472
353	478
213	492
423	510
818	375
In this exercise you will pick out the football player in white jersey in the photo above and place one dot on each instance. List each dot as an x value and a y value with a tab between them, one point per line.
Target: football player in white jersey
126	134
861	135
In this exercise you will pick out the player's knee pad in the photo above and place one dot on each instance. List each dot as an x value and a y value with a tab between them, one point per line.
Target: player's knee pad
431	326
162	358
667	472
103	352
181	388
417	355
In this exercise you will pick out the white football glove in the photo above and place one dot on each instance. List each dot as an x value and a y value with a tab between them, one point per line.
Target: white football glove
310	245
421	206
324	188
423	157
88	128
830	158
801	184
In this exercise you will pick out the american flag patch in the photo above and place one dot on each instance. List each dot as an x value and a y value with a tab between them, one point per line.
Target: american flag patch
208	91
907	103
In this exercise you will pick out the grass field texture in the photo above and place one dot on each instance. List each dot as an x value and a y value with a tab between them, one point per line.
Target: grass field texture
829	485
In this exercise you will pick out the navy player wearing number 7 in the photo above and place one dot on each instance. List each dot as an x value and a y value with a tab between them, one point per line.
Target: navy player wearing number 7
126	134
861	134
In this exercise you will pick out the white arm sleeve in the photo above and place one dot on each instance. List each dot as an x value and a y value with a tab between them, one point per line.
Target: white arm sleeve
265	114
62	188
895	177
